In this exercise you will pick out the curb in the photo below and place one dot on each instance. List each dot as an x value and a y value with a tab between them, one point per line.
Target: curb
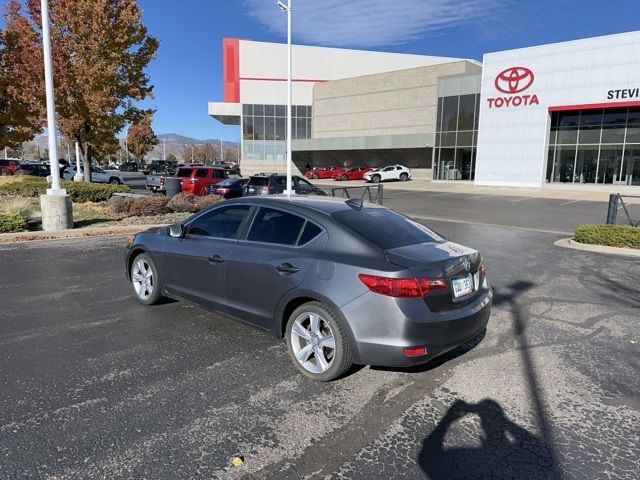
74	233
585	247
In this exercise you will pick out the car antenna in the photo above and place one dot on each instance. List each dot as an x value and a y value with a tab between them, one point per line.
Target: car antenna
355	203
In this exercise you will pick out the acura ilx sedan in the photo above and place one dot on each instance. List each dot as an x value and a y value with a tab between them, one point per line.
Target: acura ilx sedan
341	282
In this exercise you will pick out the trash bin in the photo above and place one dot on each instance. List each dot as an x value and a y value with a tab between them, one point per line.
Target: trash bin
172	186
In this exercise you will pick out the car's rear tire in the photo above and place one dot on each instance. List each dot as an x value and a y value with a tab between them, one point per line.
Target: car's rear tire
114	181
376	179
145	280
344	178
153	172
315	176
404	177
317	342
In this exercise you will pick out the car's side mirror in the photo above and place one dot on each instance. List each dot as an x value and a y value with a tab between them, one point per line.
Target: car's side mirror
176	230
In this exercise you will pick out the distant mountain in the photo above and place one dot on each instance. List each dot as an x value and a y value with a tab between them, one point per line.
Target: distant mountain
174	143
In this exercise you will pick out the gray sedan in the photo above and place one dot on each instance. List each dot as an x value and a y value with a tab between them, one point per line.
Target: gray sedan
342	282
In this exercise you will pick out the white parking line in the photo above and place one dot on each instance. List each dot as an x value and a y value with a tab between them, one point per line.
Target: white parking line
522	199
572	201
440	194
481	196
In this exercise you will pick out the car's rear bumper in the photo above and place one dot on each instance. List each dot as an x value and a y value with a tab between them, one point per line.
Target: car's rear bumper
382	327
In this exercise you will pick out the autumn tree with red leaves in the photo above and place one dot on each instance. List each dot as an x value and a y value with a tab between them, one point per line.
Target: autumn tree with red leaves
100	49
140	137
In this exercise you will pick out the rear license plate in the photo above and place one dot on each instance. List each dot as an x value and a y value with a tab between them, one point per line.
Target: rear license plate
462	285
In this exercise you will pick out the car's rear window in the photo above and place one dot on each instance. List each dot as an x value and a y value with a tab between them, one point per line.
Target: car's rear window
384	228
259	181
184	172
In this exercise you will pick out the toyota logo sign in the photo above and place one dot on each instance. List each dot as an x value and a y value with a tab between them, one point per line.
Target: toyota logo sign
514	80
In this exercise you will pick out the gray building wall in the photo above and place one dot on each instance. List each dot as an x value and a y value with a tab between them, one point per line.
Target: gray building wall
402	102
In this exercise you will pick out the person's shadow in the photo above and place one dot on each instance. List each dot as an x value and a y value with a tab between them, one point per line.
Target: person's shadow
506	449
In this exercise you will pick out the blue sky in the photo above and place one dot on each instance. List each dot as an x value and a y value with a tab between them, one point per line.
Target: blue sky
188	70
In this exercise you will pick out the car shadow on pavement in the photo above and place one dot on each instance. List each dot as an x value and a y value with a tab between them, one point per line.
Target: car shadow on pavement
506	450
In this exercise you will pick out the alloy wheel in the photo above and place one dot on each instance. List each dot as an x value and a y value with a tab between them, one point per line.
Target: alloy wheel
313	342
142	279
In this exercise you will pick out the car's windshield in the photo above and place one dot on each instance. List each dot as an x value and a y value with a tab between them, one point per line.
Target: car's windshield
385	228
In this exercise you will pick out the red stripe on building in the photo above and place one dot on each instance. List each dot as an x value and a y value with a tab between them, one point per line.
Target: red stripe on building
591	106
231	69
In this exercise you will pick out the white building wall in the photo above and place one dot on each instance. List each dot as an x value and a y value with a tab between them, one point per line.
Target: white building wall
263	69
513	140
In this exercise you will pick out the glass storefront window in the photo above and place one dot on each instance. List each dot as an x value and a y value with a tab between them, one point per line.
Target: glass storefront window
568	119
466	112
448	139
589	135
610	163
463	163
614	117
568	136
633	134
586	164
552	150
591	118
449	114
564	163
465	139
631	166
612	135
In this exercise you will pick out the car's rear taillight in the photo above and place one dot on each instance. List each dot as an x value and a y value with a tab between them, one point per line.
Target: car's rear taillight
222	190
161	180
401	287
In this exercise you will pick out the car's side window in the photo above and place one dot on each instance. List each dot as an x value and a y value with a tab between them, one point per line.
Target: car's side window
222	222
311	231
388	169
201	172
275	226
218	174
303	185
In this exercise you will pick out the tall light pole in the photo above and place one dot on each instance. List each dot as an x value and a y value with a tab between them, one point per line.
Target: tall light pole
56	204
164	149
221	150
287	8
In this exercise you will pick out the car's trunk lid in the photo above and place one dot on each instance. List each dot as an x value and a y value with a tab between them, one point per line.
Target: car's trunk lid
447	260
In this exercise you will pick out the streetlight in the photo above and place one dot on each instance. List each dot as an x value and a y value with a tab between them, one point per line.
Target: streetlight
221	149
56	204
287	8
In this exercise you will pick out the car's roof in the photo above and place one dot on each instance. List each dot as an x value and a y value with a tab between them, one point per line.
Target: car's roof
326	205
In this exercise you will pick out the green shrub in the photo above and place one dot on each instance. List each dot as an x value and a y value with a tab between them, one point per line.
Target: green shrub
149	206
80	192
623	236
23	207
11	222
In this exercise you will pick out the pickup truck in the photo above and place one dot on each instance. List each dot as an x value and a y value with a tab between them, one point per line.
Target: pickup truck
160	166
97	175
155	183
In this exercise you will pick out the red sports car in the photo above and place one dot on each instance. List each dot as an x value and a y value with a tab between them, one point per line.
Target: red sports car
323	172
353	173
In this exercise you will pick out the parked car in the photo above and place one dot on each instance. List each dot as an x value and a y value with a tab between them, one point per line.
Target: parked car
161	166
341	282
34	169
195	179
353	173
97	175
128	167
227	165
274	183
8	166
323	172
392	172
229	188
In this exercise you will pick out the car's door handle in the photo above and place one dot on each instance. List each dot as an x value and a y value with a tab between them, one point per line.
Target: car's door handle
287	268
215	259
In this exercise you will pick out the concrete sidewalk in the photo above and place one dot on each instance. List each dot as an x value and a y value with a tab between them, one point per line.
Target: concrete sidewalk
556	191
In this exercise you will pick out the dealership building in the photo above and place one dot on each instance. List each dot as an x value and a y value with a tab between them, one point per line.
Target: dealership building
563	113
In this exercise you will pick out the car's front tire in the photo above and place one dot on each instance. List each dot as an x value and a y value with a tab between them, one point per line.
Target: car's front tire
376	179
144	279
317	342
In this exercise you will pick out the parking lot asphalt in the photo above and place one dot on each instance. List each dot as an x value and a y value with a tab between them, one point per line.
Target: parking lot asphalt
95	385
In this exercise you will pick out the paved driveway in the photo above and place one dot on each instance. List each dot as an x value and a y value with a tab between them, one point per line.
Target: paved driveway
94	385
